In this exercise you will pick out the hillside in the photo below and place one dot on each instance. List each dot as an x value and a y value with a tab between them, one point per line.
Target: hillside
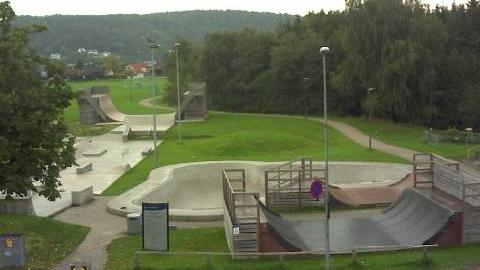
121	34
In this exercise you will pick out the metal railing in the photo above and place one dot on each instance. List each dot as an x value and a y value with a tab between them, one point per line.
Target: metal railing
281	255
289	183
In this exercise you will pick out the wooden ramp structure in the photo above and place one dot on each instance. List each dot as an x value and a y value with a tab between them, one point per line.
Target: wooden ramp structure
242	213
194	105
96	106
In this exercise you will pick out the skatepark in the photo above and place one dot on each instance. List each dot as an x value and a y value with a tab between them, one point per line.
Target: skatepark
389	206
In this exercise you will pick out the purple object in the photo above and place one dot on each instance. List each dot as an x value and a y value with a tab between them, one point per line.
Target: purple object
316	188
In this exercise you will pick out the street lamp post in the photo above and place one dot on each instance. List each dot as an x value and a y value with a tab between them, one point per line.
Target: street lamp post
305	82
370	90
154	117
324	51
179	120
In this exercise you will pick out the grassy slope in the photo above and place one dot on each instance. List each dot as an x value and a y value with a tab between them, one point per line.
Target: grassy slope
406	135
48	241
120	256
228	136
120	92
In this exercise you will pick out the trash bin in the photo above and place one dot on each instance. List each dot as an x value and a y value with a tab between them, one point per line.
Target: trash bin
134	223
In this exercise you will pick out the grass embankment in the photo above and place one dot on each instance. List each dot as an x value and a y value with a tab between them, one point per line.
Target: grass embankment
48	241
121	251
126	99
227	136
407	136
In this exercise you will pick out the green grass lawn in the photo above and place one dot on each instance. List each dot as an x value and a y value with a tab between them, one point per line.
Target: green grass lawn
406	135
126	100
121	251
226	136
48	241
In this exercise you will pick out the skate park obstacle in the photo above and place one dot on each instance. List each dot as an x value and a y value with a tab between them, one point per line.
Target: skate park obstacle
84	168
83	196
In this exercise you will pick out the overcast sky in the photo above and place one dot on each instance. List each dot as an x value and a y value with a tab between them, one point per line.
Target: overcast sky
301	7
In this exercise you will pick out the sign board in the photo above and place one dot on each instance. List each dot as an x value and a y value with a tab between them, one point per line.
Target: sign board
236	230
12	250
155	226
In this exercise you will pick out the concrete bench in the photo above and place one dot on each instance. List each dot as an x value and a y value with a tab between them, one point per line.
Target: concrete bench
146	151
82	197
84	168
95	153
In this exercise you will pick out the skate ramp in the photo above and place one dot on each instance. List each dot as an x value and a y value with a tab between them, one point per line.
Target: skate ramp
413	220
381	195
109	109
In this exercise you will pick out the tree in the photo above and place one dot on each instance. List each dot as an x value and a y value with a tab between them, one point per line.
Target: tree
34	143
113	63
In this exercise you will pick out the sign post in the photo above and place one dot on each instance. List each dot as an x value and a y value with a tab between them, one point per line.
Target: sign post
155	226
12	250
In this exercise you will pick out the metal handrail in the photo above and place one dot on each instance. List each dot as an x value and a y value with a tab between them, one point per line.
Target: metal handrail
469	151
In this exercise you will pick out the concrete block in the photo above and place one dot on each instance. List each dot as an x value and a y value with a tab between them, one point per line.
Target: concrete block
82	197
146	151
84	168
95	153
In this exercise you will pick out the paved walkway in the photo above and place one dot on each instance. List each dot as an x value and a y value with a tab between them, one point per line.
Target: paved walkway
104	228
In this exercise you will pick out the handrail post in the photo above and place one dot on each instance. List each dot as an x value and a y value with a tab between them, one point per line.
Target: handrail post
267	197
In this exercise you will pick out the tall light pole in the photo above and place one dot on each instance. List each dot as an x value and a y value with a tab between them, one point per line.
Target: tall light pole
370	90
305	82
179	120
154	46
323	52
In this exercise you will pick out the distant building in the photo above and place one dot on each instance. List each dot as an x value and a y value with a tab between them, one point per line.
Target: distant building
55	56
138	68
82	50
105	54
93	52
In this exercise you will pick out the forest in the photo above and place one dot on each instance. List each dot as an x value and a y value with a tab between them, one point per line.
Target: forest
122	34
398	60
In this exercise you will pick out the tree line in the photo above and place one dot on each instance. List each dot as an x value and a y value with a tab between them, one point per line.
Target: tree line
122	34
398	59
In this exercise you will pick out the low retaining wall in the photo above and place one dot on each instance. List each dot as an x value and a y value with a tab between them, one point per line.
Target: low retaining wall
82	197
17	206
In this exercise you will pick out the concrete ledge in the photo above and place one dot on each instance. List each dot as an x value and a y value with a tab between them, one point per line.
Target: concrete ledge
95	153
17	206
85	168
82	197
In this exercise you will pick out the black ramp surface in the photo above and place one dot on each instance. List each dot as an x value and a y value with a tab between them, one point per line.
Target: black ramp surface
412	220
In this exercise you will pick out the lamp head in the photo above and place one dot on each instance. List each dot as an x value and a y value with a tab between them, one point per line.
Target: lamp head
324	50
177	44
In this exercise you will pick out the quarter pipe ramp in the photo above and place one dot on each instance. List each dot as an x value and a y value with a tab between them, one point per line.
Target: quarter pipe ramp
414	219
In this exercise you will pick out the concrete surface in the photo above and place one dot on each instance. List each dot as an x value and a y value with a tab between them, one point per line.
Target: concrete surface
104	228
106	169
144	123
412	220
194	190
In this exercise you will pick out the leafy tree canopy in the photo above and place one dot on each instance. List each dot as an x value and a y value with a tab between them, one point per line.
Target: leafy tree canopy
34	143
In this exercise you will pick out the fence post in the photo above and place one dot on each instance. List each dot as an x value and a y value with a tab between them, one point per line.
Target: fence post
425	254
354	257
136	263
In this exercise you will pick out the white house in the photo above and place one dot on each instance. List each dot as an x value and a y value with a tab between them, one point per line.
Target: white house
55	56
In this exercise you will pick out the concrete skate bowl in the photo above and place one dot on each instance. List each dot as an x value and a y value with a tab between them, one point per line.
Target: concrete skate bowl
413	220
109	109
194	190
